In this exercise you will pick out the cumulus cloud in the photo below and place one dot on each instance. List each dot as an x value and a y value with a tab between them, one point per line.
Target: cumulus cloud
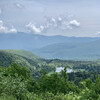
4	29
63	23
74	23
31	27
59	19
13	30
54	23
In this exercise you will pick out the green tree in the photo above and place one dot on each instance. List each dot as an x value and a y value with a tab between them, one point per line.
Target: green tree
15	70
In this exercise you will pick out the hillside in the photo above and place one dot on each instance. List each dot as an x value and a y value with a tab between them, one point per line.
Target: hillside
27	59
72	50
24	53
18	56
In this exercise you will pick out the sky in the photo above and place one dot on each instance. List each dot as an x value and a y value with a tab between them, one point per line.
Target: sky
80	18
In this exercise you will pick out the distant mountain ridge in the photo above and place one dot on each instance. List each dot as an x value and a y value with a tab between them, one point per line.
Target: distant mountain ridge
61	47
29	42
73	51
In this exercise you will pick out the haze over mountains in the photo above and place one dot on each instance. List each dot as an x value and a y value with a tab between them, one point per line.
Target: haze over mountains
33	41
76	51
61	47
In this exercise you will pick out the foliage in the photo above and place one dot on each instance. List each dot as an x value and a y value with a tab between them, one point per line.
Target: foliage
16	83
30	79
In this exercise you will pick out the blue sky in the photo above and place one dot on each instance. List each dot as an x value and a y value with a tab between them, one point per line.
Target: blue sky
51	17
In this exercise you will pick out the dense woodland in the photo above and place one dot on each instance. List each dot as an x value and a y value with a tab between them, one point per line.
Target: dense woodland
24	76
17	83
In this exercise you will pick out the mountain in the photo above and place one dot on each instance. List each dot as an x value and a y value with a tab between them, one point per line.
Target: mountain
23	53
28	41
27	59
9	56
21	57
75	51
61	47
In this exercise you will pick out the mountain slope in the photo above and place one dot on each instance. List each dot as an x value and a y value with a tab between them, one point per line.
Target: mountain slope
89	50
27	59
24	53
6	58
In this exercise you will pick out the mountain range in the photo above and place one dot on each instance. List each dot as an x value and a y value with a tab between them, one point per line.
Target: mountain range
30	41
51	47
72	51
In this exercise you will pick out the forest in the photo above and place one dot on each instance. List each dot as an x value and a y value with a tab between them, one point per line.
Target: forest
25	76
17	83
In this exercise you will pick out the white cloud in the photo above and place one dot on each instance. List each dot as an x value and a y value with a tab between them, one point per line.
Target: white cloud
59	19
63	23
1	22
74	23
57	23
53	20
41	28
98	33
12	30
32	27
69	27
4	29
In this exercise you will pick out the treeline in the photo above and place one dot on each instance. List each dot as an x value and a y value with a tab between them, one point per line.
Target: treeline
17	83
77	77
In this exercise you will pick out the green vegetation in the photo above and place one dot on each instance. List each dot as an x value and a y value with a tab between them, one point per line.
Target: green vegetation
17	83
35	64
24	58
24	76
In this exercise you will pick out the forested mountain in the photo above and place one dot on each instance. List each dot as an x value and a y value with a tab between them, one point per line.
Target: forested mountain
72	50
77	48
24	58
9	56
